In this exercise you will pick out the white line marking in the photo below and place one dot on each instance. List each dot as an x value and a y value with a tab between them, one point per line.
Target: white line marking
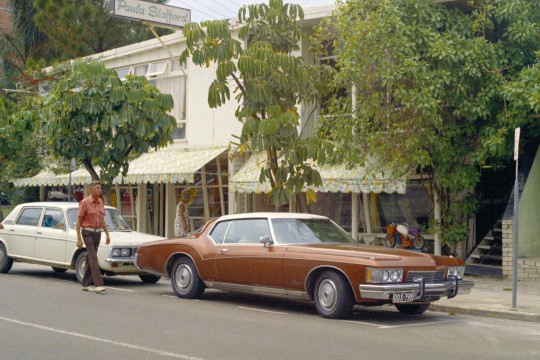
120	289
361	323
260	310
88	337
417	324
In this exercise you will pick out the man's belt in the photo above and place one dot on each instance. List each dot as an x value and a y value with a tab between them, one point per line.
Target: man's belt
92	229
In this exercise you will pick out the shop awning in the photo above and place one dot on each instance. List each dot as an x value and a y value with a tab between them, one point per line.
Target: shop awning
335	178
173	164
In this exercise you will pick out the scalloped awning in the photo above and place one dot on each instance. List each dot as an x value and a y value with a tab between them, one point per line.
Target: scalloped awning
335	178
173	164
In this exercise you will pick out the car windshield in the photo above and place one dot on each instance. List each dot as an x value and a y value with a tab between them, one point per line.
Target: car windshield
308	231
113	218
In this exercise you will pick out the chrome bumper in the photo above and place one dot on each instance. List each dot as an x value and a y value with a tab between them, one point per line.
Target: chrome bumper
448	288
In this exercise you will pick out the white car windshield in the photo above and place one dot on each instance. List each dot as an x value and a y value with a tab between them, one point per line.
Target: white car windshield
113	218
308	231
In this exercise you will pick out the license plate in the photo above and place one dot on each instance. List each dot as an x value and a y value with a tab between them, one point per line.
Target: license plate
403	296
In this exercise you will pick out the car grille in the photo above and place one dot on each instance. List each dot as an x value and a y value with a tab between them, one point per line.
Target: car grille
430	277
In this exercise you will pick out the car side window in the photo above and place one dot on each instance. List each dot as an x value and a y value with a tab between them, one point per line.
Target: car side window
53	218
29	216
247	231
218	232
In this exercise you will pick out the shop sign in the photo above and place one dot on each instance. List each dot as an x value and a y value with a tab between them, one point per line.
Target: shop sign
159	14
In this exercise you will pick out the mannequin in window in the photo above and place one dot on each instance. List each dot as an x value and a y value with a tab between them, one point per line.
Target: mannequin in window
181	220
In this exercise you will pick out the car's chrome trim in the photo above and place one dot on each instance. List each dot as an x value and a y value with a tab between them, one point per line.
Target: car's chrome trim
259	290
385	291
120	260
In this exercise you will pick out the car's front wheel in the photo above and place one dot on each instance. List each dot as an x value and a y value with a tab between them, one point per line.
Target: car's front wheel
333	296
149	278
412	309
80	266
185	279
5	261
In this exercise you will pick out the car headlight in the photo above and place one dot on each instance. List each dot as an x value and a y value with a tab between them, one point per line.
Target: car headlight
121	252
374	275
456	271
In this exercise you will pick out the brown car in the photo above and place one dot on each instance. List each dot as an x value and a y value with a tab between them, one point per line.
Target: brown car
301	256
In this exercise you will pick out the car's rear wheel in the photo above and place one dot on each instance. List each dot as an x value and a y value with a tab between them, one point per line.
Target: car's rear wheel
185	279
333	296
80	266
149	278
5	261
59	269
412	309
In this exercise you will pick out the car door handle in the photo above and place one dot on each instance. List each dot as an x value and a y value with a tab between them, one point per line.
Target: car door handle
39	232
221	251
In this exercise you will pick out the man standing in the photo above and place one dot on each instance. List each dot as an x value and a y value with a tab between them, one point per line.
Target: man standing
91	219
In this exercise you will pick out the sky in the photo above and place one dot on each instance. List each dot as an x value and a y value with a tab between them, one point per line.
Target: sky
226	9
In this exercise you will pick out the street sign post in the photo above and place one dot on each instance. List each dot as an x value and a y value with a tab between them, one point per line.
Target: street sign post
515	221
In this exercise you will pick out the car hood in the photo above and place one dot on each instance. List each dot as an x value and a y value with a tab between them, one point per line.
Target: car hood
131	238
373	253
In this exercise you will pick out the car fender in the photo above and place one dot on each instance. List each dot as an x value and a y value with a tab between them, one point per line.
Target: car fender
188	252
314	273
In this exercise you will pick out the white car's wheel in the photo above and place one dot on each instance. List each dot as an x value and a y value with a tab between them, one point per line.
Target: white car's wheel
80	266
5	261
149	278
185	279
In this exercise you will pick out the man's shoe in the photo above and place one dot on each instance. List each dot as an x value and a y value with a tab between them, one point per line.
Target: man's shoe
89	288
100	289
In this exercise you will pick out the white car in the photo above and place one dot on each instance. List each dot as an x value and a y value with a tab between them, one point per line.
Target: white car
44	233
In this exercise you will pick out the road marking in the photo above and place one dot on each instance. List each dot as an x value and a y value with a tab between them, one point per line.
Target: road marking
119	289
260	310
361	323
380	326
415	324
88	337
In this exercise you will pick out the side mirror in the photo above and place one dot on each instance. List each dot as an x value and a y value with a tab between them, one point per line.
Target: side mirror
266	240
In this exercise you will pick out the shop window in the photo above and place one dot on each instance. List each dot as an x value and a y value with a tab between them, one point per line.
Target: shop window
414	207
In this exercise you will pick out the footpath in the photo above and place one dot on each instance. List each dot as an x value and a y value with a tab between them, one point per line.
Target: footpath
492	297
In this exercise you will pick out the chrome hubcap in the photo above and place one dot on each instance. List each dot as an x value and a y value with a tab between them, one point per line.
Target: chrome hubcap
327	294
183	277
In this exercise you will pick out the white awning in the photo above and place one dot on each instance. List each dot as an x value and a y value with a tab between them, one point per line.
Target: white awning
335	178
173	164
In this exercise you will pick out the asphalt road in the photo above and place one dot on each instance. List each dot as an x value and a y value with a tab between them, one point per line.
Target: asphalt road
45	315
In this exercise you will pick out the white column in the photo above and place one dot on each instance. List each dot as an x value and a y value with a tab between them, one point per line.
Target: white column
354	215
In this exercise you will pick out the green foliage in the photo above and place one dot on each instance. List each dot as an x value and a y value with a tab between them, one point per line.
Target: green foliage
269	82
429	81
97	119
84	27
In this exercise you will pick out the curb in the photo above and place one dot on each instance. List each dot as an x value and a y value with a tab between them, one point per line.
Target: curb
499	314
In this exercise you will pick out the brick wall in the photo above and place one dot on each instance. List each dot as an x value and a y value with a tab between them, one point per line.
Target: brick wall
528	268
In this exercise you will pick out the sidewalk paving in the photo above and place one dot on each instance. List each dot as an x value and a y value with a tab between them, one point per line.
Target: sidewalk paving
492	297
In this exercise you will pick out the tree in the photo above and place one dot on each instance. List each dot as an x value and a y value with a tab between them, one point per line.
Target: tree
427	84
84	27
20	153
90	115
269	82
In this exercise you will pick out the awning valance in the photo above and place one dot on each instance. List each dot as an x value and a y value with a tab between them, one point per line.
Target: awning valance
173	164
335	178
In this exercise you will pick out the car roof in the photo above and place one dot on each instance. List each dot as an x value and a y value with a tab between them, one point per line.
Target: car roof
271	215
57	204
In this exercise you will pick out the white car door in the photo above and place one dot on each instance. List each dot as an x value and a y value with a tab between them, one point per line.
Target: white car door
21	235
51	236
